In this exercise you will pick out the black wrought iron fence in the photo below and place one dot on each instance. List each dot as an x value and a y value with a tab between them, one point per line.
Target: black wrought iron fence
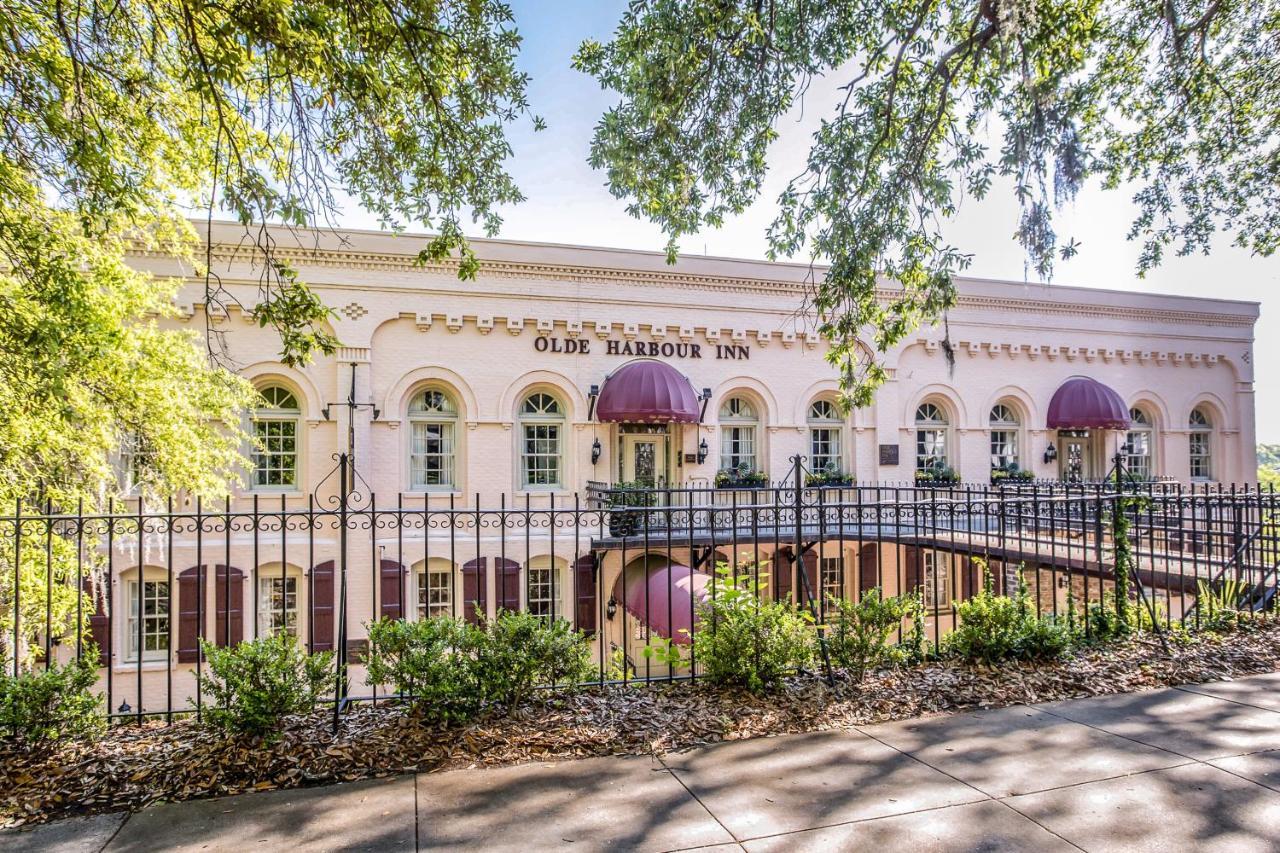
629	568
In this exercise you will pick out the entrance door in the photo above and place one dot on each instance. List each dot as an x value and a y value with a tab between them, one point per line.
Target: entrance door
1075	456
644	459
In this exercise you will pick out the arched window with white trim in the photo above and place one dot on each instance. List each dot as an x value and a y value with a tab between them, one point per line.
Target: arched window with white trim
433	421
1138	447
275	431
1200	445
933	435
541	442
739	430
825	429
1004	424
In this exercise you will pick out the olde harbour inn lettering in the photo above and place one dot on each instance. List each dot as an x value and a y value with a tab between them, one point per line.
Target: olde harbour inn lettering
651	349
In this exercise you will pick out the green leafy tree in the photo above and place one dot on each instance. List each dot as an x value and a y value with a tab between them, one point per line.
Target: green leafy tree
119	120
939	99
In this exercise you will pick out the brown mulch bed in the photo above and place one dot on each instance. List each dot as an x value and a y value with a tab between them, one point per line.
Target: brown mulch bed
134	766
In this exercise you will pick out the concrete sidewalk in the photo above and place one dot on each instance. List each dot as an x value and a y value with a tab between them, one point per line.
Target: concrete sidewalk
1179	769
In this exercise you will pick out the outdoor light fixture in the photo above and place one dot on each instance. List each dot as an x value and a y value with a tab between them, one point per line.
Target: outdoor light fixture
595	451
703	450
611	609
124	707
1050	453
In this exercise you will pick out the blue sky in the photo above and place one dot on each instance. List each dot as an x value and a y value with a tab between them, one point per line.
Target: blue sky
568	202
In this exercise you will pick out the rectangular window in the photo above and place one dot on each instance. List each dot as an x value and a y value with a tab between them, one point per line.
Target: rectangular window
154	620
544	593
278	605
931	449
1004	448
275	459
1200	467
832	569
541	456
1137	454
824	448
435	594
431	456
738	448
937	580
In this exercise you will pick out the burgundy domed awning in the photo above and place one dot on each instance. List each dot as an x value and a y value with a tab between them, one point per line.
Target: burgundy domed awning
665	598
1084	403
650	392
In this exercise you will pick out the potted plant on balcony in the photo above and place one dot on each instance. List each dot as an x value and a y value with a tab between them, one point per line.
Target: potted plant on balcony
828	475
628	523
1011	473
741	477
937	475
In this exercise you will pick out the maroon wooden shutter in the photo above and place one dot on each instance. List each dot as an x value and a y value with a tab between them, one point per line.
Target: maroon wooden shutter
392	590
474	574
190	611
508	587
868	567
814	577
228	611
783	561
914	566
584	573
322	607
970	580
99	621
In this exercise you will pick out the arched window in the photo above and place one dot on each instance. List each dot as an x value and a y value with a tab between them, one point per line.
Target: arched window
1004	437
275	433
1138	442
541	442
738	425
932	437
433	418
1201	445
279	588
825	426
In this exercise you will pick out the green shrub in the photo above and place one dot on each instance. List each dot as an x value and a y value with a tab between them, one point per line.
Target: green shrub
431	661
453	669
996	627
1219	604
249	688
858	633
521	651
745	640
54	703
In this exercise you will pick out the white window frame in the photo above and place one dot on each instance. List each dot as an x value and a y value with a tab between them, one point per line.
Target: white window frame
545	589
826	437
435	591
831	576
157	625
433	409
276	414
933	428
1200	445
542	423
269	611
739	435
1141	430
936	595
1004	435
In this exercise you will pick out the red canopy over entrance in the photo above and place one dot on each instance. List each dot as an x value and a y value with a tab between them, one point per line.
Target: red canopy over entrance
1084	403
650	392
664	597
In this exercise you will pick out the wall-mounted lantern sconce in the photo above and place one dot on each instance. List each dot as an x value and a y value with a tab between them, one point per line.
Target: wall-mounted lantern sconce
703	450
1050	454
611	608
124	707
595	451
